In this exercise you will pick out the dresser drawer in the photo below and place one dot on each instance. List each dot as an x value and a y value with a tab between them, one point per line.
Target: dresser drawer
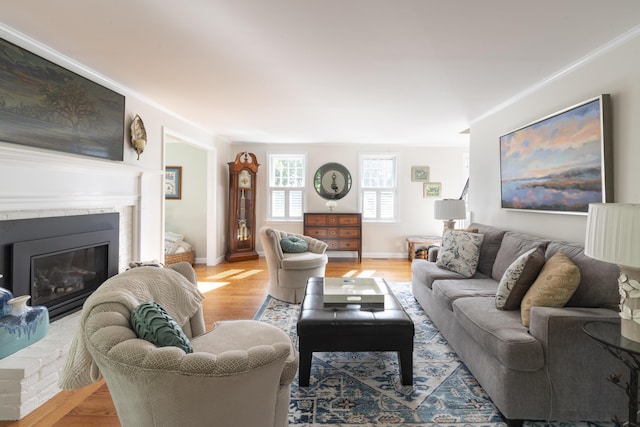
353	232
315	219
343	245
348	219
318	233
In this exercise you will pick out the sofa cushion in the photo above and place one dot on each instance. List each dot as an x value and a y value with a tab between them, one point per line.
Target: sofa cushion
490	245
425	273
459	252
500	333
447	291
598	280
513	245
151	322
518	278
557	281
293	245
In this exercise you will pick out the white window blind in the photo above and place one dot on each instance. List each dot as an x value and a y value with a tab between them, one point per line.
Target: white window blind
286	185
378	186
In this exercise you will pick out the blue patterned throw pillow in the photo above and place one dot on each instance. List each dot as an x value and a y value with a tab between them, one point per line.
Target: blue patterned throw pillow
293	245
151	322
459	252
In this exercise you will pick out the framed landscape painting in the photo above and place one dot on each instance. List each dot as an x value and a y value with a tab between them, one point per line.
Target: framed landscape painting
560	163
46	106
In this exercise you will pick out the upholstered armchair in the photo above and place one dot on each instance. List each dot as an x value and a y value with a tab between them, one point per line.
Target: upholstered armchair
289	272
239	373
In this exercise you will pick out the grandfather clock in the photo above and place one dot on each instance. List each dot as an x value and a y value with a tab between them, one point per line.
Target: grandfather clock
242	208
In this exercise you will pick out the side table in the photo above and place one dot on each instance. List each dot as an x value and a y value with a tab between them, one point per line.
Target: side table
608	336
412	241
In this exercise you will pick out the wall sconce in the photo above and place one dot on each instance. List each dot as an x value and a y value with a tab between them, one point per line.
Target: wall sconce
138	135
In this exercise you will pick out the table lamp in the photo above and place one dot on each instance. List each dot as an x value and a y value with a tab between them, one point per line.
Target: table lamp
613	235
449	210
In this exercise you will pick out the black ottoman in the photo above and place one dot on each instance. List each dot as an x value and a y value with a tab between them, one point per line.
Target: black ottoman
353	329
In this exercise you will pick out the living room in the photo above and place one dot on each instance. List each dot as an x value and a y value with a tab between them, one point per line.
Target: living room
48	183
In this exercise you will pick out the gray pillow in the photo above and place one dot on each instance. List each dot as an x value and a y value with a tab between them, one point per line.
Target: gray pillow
490	246
513	245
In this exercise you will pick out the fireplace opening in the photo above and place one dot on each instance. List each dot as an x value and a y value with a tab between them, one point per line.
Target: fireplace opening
61	271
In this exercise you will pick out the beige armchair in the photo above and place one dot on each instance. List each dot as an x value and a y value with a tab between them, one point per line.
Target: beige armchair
239	373
289	272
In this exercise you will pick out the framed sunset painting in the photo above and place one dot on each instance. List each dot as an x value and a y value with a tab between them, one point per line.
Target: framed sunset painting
560	163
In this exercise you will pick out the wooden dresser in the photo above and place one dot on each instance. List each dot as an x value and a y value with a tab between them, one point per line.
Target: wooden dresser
341	231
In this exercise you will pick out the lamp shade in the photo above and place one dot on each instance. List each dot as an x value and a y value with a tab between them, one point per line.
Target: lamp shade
613	233
450	209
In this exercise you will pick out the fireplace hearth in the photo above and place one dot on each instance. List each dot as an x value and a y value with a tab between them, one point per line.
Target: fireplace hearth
59	261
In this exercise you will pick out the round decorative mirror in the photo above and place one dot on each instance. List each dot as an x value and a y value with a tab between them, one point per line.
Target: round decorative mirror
332	181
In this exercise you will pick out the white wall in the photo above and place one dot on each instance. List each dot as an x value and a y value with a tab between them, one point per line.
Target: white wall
415	216
616	71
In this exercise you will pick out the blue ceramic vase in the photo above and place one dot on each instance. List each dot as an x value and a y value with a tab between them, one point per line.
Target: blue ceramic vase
23	326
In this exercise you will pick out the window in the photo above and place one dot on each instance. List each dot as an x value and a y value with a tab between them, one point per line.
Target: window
286	186
378	186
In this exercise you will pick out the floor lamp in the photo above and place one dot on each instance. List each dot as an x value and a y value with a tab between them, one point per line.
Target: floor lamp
449	210
613	235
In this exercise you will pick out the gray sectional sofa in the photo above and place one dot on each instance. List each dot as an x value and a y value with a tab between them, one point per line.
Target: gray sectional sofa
549	371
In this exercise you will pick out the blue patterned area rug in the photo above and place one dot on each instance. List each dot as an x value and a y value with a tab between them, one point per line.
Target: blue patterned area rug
364	389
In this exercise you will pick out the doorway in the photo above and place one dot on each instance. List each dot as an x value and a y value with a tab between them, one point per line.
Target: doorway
193	212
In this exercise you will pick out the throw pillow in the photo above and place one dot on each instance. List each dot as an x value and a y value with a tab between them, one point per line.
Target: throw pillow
151	322
557	281
459	252
293	245
518	278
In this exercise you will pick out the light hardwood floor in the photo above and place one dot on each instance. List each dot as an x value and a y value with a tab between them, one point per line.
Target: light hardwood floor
232	291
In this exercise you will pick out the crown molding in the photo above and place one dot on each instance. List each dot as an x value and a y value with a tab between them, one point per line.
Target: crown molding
591	56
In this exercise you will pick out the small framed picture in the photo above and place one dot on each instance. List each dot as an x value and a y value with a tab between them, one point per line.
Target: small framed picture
173	182
420	173
432	189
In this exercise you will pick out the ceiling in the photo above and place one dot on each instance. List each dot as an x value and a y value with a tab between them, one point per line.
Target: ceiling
414	72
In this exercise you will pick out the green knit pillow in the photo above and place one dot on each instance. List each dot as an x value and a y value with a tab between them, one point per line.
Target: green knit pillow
293	245
151	322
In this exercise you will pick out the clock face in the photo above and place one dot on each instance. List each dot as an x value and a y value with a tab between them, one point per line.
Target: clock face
244	179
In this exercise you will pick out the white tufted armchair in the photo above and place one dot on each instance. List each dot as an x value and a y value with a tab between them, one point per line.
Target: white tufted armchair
289	272
239	374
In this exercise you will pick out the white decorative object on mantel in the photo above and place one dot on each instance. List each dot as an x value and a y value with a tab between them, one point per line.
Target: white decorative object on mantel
332	205
613	235
19	305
